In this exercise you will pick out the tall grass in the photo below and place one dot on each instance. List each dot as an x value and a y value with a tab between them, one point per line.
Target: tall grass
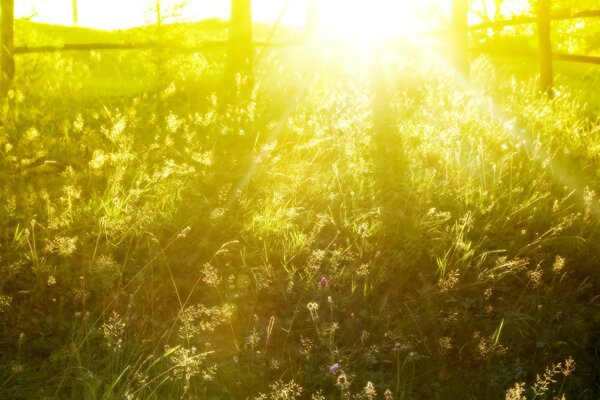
340	234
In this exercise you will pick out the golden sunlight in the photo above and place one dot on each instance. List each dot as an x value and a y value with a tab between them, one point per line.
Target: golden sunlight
353	19
366	20
349	18
371	19
117	14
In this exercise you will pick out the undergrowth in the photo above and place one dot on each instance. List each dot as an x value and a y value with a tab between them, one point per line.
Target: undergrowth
354	230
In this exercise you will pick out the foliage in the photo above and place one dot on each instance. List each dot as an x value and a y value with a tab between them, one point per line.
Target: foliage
360	227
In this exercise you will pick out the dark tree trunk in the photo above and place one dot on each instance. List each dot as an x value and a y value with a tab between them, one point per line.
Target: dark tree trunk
7	62
460	11
240	55
75	13
545	47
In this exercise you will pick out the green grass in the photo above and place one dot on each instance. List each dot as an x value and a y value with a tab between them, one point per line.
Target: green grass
358	225
114	74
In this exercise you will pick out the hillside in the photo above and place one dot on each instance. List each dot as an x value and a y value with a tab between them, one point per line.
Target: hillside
29	33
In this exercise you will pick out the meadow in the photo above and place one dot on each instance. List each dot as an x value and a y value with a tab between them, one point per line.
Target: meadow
364	225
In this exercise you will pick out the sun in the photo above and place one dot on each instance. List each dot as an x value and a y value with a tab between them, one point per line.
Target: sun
371	19
368	20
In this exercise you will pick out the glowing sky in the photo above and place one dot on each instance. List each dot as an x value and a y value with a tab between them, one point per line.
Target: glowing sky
114	14
389	15
379	17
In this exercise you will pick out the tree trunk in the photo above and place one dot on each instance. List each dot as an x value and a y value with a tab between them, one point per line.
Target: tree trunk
238	72
7	62
497	17
460	11
75	13
158	13
545	47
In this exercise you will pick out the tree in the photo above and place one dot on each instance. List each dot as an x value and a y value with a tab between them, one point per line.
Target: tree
545	46
460	11
158	13
75	13
240	54
161	12
7	62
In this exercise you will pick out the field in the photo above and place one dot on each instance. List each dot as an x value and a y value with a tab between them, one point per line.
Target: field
363	225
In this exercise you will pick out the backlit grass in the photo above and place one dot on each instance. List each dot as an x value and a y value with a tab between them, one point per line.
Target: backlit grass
363	228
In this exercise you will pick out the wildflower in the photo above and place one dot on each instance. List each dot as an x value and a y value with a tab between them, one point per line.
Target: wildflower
568	368
307	347
313	308
323	283
5	302
342	382
487	294
113	331
275	365
535	276
558	265
317	396
17	368
282	391
449	282
334	368
445	345
362	229
516	392
184	232
387	395
363	270
369	391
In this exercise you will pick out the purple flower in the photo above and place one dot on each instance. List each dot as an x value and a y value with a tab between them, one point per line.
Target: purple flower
323	282
334	368
362	229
